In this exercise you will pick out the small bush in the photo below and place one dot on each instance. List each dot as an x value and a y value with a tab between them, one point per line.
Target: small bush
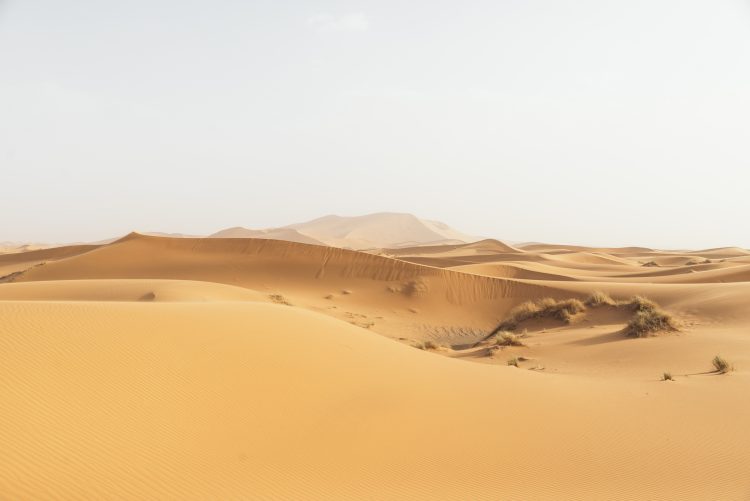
431	345
721	365
667	376
648	322
640	303
513	361
599	298
650	264
279	299
544	308
505	338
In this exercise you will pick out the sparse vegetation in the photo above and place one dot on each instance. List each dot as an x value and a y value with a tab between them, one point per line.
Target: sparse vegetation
513	361
544	308
721	365
667	376
279	299
693	262
506	338
650	264
640	303
431	345
599	298
648	322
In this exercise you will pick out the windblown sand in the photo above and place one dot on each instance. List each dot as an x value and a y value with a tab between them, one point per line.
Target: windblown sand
181	368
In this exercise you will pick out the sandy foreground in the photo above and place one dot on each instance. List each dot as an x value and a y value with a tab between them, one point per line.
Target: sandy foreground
166	368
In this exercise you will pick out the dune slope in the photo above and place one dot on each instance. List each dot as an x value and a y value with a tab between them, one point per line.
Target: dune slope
236	400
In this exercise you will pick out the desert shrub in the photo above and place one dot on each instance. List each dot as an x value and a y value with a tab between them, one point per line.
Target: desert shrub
505	338
544	308
279	299
667	376
650	264
431	345
721	365
648	322
640	303
513	361
599	298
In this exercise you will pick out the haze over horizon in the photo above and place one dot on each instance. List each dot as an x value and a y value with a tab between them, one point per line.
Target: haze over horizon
595	123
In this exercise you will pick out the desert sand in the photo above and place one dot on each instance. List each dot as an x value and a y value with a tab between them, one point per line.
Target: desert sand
253	368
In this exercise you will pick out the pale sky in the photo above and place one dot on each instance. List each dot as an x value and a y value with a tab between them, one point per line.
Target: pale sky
581	121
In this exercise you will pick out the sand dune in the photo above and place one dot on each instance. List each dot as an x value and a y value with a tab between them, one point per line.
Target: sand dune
219	402
481	247
242	368
287	234
366	289
11	264
128	290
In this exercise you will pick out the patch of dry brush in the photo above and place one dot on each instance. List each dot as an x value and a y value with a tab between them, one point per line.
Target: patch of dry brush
599	298
563	310
505	338
648	319
721	365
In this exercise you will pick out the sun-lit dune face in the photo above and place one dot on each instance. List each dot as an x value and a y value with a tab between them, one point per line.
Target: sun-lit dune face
255	368
249	400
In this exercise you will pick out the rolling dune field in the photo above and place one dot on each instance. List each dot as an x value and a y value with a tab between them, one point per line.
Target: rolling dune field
243	368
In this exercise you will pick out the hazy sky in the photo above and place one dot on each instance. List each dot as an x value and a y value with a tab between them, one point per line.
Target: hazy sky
578	121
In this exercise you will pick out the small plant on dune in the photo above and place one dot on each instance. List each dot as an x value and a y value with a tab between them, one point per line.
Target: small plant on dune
279	299
505	338
640	303
599	298
513	361
667	376
431	345
721	365
649	322
650	264
544	308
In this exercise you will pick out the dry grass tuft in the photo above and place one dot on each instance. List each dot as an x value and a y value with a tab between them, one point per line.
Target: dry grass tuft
505	338
640	303
599	298
650	264
279	299
513	361
667	376
431	345
693	262
649	322
544	308
721	365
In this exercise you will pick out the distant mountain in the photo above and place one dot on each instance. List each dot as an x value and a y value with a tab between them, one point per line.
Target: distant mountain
287	234
385	230
380	230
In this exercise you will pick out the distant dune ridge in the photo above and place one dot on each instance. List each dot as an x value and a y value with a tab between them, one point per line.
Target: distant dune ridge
249	365
287	234
372	231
